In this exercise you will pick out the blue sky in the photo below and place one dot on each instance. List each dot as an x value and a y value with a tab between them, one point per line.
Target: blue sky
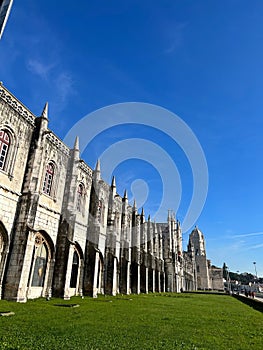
201	60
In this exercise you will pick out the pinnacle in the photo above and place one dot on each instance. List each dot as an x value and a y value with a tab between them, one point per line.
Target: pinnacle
97	169
45	111
76	143
113	182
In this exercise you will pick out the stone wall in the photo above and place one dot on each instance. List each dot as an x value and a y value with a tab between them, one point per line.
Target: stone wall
64	231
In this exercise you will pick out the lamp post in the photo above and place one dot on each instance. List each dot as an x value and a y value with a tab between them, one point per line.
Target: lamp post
228	280
254	262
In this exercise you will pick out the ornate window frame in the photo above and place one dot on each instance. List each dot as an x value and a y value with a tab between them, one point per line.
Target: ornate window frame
4	147
80	198
11	152
49	180
39	241
75	270
101	211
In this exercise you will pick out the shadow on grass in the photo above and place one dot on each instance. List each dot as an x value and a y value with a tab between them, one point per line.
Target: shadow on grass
67	305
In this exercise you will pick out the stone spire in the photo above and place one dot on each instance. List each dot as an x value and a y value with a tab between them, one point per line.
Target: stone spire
75	151
142	216
45	111
42	121
125	208
97	168
113	187
113	182
76	144
96	173
134	210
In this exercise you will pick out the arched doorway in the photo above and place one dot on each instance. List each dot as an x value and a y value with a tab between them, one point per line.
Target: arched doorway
3	253
74	270
40	266
98	282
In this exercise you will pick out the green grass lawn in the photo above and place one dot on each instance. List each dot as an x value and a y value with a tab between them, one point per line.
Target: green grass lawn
155	321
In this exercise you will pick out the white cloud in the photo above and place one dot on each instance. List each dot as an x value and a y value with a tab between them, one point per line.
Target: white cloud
246	241
52	75
175	35
256	246
39	68
248	234
64	85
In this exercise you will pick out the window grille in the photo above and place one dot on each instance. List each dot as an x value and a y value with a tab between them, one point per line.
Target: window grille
80	196
48	180
4	147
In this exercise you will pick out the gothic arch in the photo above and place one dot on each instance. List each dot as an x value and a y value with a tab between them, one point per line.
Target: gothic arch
8	149
3	237
49	241
4	244
81	198
50	178
41	268
79	249
77	270
99	273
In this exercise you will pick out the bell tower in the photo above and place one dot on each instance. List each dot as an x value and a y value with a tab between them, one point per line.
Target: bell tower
197	245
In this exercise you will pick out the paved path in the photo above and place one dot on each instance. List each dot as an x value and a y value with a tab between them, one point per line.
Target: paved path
255	298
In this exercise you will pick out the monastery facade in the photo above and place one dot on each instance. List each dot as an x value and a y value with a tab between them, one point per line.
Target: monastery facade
64	231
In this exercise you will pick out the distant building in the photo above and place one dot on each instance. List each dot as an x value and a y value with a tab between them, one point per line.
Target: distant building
64	231
216	277
5	8
207	276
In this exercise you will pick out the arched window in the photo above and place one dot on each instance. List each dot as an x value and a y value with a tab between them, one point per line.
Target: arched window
4	147
99	274
100	212
117	222
1	243
1	256
1	248
74	270
39	262
48	180
80	197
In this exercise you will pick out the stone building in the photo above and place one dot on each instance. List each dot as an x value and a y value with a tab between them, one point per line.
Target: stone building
64	231
207	276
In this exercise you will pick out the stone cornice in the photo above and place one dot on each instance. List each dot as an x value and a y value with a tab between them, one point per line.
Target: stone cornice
49	209
15	104
84	167
10	190
57	143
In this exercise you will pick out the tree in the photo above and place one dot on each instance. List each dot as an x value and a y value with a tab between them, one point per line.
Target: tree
225	273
